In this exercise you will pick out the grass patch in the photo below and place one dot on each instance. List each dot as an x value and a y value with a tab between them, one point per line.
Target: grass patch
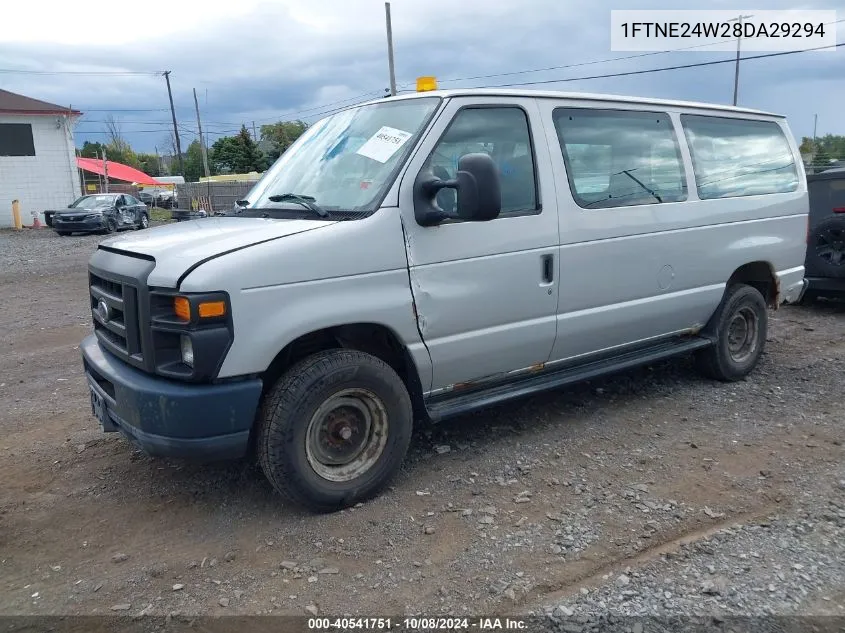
158	214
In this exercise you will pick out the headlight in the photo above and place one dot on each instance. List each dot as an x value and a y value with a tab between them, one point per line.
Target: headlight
187	348
191	333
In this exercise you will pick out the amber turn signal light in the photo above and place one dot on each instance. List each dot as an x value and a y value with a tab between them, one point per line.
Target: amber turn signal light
209	309
182	308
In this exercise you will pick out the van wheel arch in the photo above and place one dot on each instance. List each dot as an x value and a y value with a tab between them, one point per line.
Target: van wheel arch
371	338
760	275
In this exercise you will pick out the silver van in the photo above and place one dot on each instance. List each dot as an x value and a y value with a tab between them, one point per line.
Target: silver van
423	256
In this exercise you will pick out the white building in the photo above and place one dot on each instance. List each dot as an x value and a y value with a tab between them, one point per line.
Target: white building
37	157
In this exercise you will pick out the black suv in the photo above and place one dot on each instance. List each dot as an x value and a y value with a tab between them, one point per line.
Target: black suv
824	267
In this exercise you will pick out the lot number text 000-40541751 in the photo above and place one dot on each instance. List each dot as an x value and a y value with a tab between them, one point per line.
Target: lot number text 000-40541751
417	624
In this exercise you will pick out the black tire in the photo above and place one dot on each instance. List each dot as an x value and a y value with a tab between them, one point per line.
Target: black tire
728	360
111	226
291	427
826	250
144	222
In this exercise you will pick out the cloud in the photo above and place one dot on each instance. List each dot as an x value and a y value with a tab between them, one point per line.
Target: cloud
258	61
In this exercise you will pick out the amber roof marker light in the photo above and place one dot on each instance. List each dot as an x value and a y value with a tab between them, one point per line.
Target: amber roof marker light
426	84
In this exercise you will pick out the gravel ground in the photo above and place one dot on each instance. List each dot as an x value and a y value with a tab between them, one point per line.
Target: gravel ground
587	507
778	566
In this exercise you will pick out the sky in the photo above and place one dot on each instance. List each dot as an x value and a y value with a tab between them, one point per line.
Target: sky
262	61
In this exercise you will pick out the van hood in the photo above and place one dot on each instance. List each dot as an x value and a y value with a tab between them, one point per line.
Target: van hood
181	246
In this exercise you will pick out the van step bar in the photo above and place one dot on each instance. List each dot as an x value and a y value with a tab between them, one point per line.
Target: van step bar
450	405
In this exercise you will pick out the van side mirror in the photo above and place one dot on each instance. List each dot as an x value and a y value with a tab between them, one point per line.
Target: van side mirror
479	194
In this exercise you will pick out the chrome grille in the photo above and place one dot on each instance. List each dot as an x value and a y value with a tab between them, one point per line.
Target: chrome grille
114	309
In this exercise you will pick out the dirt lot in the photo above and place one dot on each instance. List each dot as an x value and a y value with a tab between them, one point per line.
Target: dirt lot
649	492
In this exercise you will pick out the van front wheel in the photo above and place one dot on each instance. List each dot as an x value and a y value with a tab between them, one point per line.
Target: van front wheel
334	429
739	328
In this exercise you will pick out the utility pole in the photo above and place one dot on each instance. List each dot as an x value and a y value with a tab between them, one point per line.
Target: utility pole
739	20
202	141
254	133
175	127
105	171
390	49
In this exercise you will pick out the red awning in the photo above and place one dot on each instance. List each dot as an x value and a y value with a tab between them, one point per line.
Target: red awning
118	171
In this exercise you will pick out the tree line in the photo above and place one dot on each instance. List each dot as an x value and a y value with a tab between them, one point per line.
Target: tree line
824	149
235	154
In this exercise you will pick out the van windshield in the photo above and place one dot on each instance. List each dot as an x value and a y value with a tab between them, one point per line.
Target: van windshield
344	162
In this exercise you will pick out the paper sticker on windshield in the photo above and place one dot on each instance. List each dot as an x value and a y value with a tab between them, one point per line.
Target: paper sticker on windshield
384	144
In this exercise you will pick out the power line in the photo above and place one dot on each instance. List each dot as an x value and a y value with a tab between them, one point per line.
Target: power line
539	82
131	109
156	130
661	69
593	62
325	105
576	65
106	73
326	112
278	117
315	114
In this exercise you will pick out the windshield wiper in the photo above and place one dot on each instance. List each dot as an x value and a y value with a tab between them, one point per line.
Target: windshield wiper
306	201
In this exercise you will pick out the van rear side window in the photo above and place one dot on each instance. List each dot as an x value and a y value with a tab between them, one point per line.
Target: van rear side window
618	158
736	157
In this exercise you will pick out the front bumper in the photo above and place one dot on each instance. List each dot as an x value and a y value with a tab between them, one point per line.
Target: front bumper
168	418
78	226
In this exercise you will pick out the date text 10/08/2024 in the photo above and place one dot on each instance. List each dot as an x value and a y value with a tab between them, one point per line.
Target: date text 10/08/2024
417	624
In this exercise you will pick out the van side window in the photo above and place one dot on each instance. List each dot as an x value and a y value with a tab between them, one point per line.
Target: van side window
617	158
736	157
502	133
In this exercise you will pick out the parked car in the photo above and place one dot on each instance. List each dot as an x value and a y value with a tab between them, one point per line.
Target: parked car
464	253
147	197
825	261
163	198
167	199
102	212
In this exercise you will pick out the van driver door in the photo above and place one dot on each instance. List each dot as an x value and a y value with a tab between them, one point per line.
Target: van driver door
485	293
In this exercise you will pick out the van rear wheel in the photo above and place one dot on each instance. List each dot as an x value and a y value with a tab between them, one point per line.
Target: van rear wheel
739	327
334	429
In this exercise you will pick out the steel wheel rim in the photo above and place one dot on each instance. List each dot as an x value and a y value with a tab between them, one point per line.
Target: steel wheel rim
742	334
347	435
144	222
830	246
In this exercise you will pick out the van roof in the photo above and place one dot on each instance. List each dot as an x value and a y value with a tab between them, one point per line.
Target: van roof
552	94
